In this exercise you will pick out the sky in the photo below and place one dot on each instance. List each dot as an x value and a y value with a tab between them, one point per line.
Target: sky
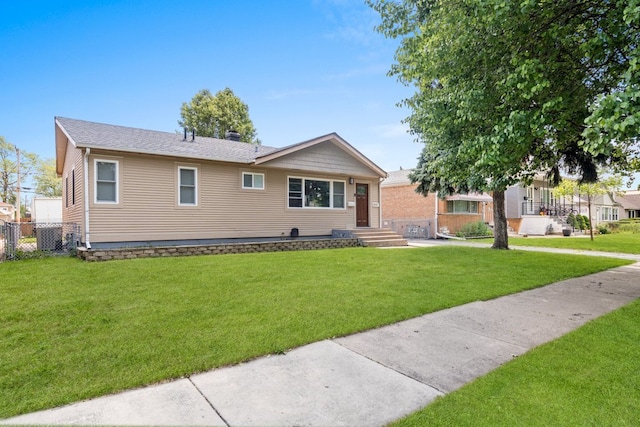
305	68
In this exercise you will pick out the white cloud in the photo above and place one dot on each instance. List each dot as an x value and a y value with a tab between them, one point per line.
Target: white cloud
389	131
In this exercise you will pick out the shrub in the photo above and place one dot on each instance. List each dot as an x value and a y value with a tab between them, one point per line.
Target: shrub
475	229
629	227
583	222
603	229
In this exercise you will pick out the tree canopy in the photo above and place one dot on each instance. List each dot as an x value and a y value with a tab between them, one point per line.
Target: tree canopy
214	115
9	169
47	182
507	89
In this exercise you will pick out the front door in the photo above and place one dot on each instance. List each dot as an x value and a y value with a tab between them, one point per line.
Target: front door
362	205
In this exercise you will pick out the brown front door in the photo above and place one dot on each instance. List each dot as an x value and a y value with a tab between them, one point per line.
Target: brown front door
362	205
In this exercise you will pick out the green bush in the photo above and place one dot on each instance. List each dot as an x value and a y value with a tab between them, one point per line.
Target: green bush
603	229
475	229
577	221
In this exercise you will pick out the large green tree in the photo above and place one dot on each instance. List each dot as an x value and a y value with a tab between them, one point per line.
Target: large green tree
47	182
9	167
506	89
214	115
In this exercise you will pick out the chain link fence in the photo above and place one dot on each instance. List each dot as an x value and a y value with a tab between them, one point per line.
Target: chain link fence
35	240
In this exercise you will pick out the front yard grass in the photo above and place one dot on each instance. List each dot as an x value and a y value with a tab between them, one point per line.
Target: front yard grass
70	330
590	377
628	243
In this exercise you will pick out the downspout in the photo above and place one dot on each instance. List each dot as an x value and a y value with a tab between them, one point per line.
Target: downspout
380	203
86	197
436	216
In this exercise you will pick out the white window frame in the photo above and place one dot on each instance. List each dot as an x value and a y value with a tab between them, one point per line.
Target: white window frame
73	186
468	203
253	181
195	185
331	193
609	213
116	183
66	191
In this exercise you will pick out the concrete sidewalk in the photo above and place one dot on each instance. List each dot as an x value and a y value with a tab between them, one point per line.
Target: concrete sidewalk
367	379
440	242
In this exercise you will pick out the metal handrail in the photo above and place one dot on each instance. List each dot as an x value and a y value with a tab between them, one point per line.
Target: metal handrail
537	208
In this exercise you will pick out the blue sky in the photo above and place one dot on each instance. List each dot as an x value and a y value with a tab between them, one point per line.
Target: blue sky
305	68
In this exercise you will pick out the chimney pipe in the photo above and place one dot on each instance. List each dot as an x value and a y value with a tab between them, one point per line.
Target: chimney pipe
185	134
232	135
193	134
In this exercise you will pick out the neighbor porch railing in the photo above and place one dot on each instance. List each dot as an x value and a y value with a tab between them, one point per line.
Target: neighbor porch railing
555	210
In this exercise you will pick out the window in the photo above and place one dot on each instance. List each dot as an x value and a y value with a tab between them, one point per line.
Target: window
106	181
338	194
295	192
73	187
187	180
608	214
253	180
316	193
462	206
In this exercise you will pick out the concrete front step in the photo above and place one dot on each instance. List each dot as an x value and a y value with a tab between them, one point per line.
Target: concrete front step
379	237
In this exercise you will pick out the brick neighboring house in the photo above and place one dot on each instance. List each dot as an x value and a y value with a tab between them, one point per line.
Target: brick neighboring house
413	215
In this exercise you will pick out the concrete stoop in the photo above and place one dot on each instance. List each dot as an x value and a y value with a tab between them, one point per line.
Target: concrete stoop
379	237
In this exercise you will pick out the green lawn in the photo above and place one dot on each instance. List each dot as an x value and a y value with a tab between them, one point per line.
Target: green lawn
628	243
590	377
70	330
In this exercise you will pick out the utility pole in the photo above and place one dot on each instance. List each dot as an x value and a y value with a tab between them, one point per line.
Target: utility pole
18	189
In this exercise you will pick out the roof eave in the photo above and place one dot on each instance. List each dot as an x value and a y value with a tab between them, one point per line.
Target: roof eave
163	154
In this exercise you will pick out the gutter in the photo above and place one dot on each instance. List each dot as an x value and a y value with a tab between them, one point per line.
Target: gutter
85	178
437	202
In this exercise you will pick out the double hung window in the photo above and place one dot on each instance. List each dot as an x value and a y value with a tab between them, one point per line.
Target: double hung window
106	186
187	184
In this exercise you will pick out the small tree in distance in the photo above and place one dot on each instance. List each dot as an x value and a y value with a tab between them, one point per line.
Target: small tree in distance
590	190
215	115
46	179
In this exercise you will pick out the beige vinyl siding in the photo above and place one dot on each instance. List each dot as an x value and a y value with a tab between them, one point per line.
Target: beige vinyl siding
148	207
73	212
323	158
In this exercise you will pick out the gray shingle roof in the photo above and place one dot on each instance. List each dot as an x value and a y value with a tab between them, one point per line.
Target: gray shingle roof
629	200
400	177
133	140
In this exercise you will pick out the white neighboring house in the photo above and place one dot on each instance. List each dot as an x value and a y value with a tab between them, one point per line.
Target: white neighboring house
538	210
7	212
46	209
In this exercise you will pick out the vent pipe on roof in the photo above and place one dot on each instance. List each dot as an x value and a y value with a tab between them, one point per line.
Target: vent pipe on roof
185	134
232	135
193	134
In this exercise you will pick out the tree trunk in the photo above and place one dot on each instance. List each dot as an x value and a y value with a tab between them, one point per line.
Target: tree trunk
590	221
500	234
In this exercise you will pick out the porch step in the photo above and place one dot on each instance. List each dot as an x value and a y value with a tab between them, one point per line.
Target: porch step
379	237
